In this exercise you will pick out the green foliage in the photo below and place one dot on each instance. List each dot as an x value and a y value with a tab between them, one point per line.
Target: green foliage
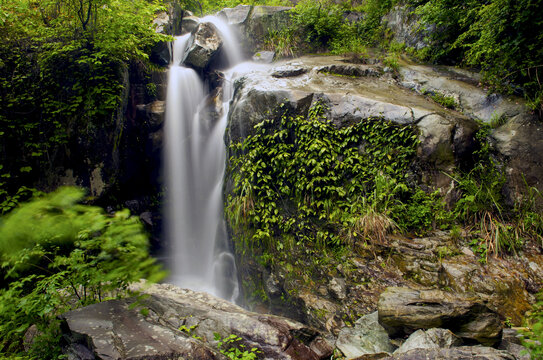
391	60
58	255
320	26
285	42
301	180
495	227
62	73
348	40
481	186
319	21
441	99
233	349
534	336
202	7
501	37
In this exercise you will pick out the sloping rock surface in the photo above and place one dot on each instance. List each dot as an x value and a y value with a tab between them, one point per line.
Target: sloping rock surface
404	310
172	323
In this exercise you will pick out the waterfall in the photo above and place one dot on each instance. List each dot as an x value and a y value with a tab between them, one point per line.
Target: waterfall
195	158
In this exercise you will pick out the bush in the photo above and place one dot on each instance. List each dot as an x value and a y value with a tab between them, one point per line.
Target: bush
319	21
500	37
58	255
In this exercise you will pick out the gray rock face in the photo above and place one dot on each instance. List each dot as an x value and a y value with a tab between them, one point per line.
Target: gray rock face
265	57
337	288
173	323
113	331
254	23
512	343
204	48
403	310
520	143
405	27
434	338
288	71
365	338
456	353
237	15
463	86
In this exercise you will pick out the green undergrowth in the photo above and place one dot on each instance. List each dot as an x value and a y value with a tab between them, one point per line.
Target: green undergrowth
57	255
499	37
495	226
322	26
303	182
62	77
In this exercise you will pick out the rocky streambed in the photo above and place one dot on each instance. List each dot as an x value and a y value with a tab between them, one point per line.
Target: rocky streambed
166	322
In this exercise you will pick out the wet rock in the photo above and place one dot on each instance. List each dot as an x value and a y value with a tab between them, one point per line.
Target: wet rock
147	218
434	338
171	22
502	284
173	323
288	71
366	337
455	353
204	47
113	331
404	310
29	336
273	286
461	85
188	24
237	15
349	70
265	57
152	114
263	21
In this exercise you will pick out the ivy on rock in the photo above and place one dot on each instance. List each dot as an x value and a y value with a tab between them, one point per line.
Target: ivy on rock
302	180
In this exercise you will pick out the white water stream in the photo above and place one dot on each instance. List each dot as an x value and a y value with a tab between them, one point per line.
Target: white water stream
195	158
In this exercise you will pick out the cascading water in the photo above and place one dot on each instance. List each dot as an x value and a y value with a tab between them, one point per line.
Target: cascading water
195	161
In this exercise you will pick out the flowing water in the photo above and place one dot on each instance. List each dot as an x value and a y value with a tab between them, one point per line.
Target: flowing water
195	157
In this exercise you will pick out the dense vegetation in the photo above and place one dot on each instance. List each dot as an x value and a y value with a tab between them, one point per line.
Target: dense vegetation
301	182
66	255
308	186
61	72
62	65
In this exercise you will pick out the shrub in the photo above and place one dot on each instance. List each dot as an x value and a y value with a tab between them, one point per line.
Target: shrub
58	255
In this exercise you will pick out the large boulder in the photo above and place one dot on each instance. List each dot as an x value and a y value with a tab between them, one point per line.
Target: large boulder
204	47
519	143
403	310
365	338
434	338
254	23
169	323
455	353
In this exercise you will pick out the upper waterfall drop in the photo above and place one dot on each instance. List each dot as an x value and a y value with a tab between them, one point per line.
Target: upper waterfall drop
195	156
